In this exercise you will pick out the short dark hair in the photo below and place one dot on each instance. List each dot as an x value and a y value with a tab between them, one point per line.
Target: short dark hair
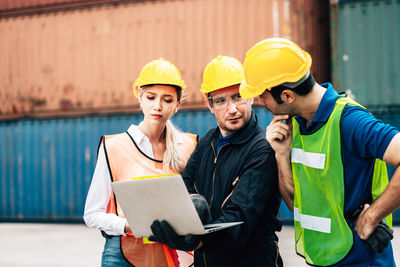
302	89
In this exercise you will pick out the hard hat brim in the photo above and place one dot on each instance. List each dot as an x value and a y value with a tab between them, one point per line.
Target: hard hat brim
248	92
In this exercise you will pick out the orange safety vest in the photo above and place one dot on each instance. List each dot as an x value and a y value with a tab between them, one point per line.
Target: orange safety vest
126	161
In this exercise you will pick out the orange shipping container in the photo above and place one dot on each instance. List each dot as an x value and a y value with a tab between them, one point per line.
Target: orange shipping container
30	4
74	62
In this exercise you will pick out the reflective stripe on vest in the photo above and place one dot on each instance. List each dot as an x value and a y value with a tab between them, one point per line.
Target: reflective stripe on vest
313	160
314	223
322	234
125	162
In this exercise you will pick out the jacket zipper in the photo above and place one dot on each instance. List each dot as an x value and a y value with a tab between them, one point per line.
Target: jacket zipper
233	185
195	188
215	166
204	259
212	190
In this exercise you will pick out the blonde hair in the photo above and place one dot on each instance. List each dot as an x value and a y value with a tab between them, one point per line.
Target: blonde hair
172	158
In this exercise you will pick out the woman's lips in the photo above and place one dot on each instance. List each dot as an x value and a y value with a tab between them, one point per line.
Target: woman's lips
157	116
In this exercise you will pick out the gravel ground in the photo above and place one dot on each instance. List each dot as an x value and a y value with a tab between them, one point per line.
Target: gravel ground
75	245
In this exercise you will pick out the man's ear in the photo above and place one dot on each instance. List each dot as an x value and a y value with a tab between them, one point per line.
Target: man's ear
208	105
287	96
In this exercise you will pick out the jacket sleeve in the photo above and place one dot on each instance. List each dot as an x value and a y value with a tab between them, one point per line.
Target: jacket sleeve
256	191
190	170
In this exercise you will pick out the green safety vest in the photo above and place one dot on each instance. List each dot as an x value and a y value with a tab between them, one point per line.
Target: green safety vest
322	234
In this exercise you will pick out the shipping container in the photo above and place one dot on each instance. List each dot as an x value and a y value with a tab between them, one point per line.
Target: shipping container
24	4
84	61
25	7
365	42
366	50
46	165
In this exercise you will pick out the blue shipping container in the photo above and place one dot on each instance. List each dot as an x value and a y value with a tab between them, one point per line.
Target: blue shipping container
46	165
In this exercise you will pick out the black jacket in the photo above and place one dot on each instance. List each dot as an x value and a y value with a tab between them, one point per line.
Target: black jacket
240	183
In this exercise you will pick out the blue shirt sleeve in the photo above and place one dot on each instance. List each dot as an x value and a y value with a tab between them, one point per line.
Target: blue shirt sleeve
365	135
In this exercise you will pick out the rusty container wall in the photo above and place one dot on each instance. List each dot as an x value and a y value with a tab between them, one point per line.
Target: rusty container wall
6	5
82	61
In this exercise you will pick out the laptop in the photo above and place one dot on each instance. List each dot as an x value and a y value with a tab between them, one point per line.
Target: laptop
145	199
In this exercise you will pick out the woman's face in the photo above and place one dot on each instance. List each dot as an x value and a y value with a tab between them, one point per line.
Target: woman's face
159	103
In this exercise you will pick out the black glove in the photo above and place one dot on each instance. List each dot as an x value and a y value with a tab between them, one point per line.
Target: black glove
380	238
202	208
165	234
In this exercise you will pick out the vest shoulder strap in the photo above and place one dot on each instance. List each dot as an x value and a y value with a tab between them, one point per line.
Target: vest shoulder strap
348	101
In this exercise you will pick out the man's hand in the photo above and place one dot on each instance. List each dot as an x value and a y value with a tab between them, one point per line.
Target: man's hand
279	134
365	225
376	236
165	234
202	208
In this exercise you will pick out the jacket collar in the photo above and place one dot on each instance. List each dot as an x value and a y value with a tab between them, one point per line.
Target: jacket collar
244	134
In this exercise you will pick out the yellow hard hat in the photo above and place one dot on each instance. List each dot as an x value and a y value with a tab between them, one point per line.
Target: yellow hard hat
159	71
222	71
272	62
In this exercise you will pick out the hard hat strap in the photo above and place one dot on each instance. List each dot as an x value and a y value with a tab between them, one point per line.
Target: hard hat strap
302	88
295	84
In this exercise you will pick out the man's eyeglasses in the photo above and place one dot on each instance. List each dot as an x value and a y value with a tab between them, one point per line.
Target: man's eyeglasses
219	103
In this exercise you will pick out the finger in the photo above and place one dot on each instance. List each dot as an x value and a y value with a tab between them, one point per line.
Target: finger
157	230
363	230
277	125
361	215
279	118
275	137
282	125
168	230
366	206
283	132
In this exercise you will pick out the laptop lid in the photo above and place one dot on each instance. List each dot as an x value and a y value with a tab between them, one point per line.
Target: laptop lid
145	199
158	198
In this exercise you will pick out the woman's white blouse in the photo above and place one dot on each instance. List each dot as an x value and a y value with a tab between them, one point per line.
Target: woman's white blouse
100	190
